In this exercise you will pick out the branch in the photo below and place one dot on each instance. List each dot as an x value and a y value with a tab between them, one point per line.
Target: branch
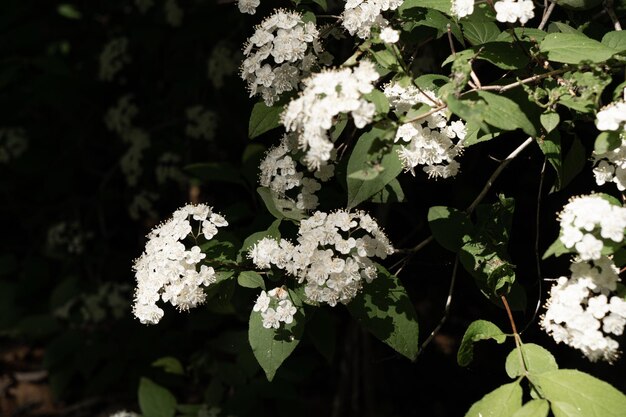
503	88
546	15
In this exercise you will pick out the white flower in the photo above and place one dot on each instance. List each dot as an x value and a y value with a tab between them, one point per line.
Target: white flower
389	35
581	308
262	302
332	257
462	8
514	10
201	123
326	95
359	16
282	51
124	413
167	271
270	319
612	117
248	6
611	165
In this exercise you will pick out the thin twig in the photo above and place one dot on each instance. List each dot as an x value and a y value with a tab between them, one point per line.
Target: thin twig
446	311
497	172
518	339
503	88
546	16
608	6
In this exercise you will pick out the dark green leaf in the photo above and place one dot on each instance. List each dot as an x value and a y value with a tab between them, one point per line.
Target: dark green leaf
550	145
272	346
557	248
263	119
154	400
371	150
444	6
380	100
479	32
574	162
536	360
279	207
506	114
477	331
170	365
250	279
572	48
450	227
384	308
606	142
392	193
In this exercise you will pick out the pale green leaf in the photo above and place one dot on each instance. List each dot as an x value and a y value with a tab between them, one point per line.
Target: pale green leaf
477	331
535	358
590	396
533	408
615	40
384	308
549	120
504	401
280	208
444	6
571	48
479	32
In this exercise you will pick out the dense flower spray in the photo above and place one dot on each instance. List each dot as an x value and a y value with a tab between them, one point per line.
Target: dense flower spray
168	269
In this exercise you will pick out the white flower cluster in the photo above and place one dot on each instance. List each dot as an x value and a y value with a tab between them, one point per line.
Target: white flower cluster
143	203
119	119
389	35
430	139
13	143
514	10
332	257
201	123
279	172
222	63
275	308
173	13
124	413
282	51
113	58
582	313
360	16
168	168
168	270
462	8
326	95
67	237
611	166
248	6
586	221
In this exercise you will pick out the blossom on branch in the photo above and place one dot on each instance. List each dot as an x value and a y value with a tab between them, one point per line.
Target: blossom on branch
168	269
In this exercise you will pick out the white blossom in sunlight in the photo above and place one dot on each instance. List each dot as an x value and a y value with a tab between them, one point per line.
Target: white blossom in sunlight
612	117
610	166
173	13
332	257
13	143
326	95
275	307
513	10
169	269
583	310
462	8
360	16
248	6
113	58
279	172
588	221
283	50
201	123
430	141
389	35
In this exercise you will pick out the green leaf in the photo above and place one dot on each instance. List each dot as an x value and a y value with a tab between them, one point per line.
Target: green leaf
68	11
615	40
572	48
279	207
449	226
549	120
536	359
154	400
170	365
606	142
272	346
478	330
322	4
322	331
533	408
557	248
380	100
550	145
479	32
444	6
263	119
504	55
506	114
590	396
386	59
250	279
504	401
493	274
372	150
392	193
384	308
